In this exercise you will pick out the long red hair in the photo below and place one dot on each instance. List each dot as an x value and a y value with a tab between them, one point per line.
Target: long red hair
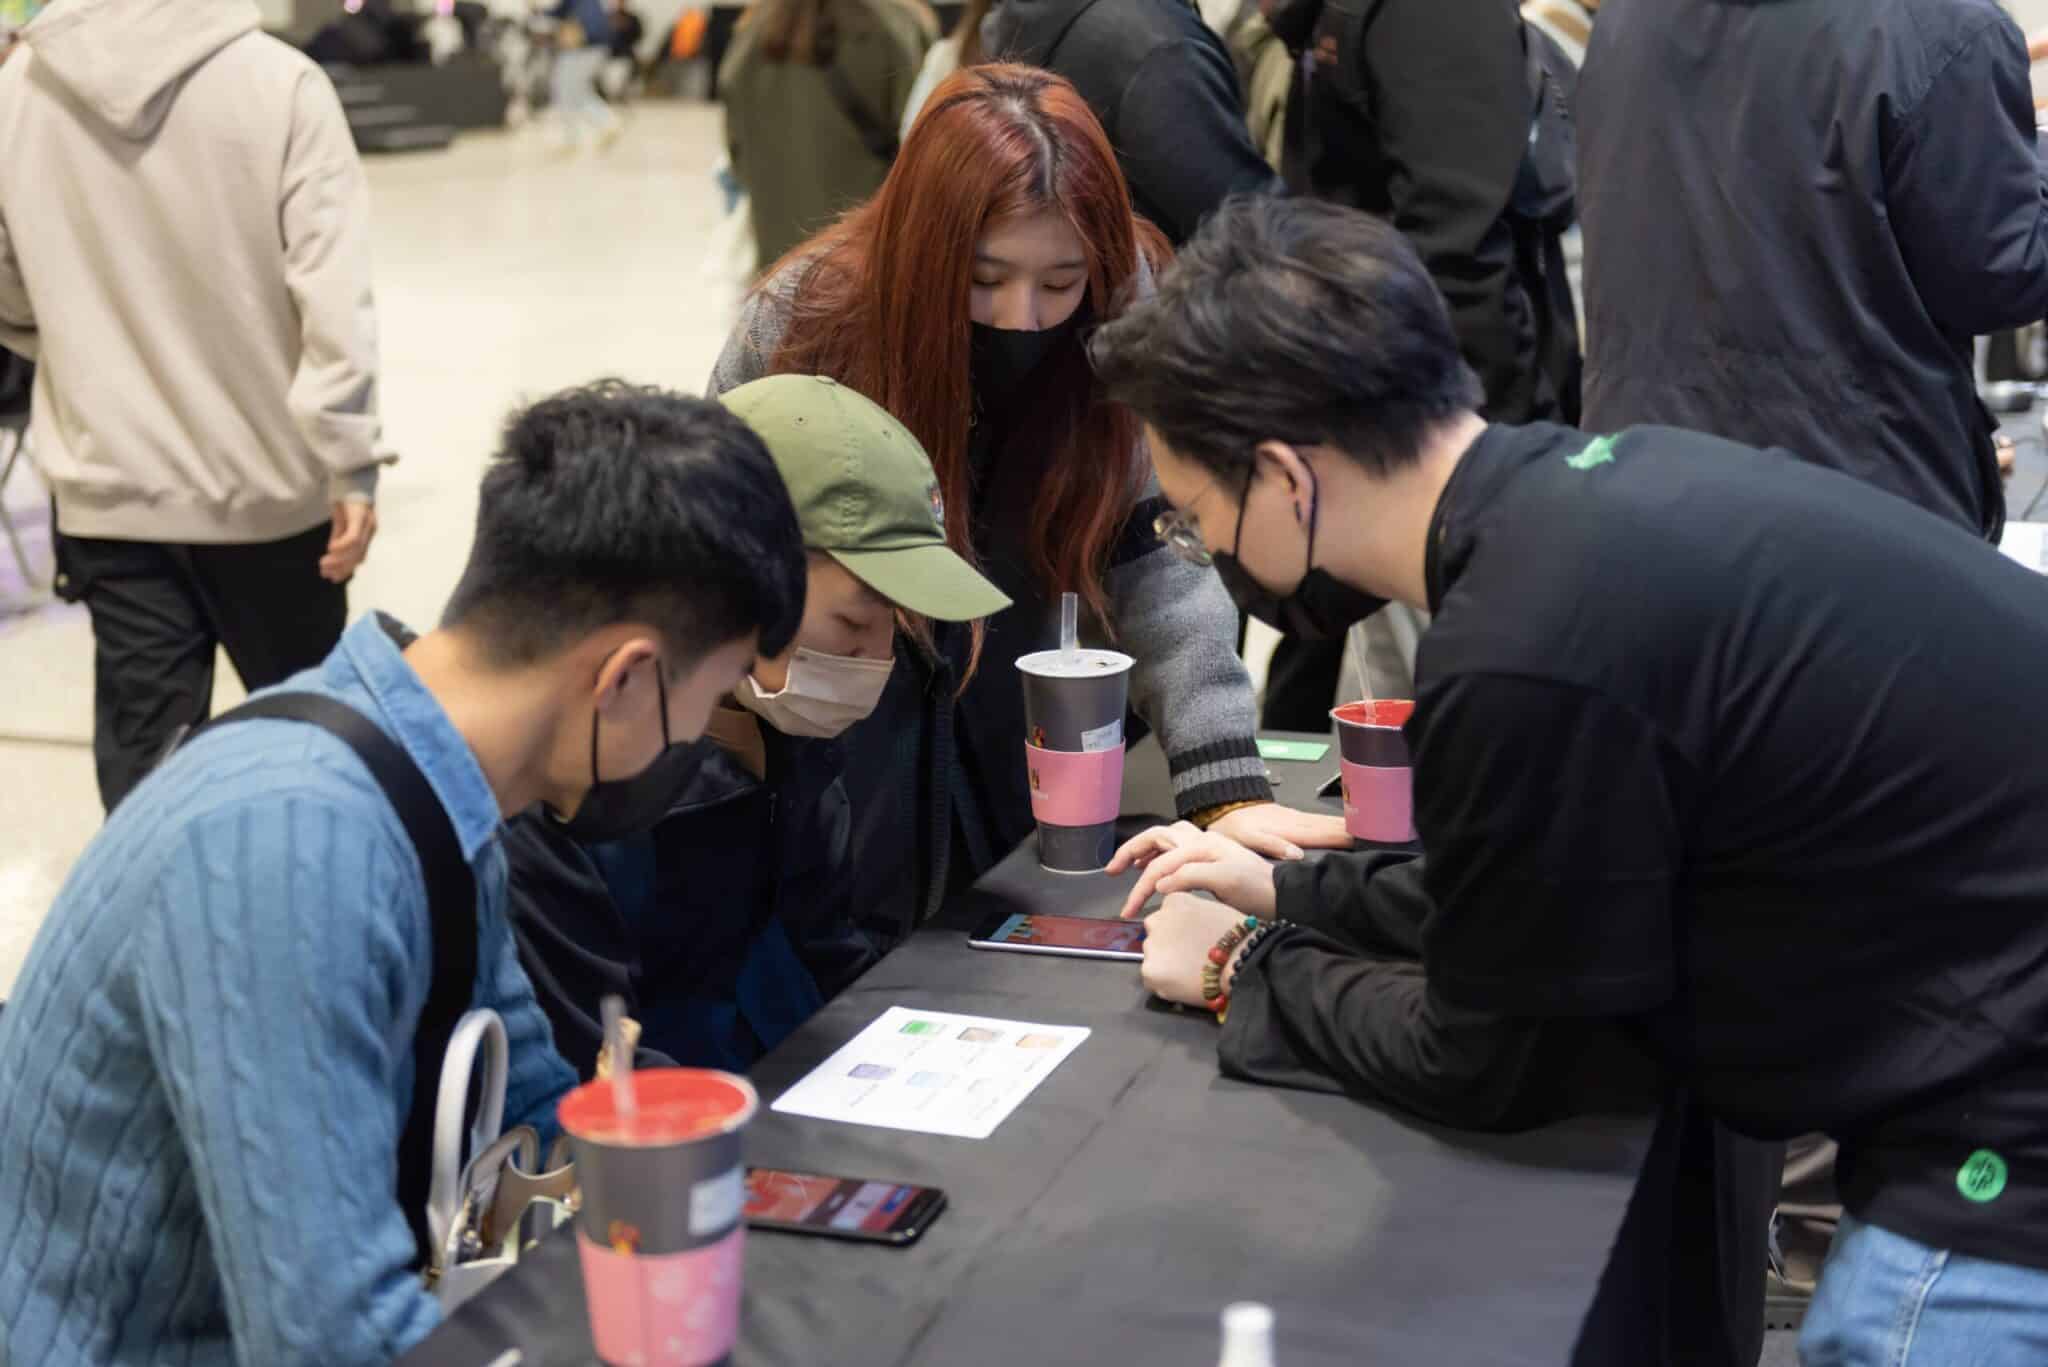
883	304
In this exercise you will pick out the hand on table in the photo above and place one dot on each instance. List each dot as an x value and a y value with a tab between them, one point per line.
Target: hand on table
1283	832
1178	938
1179	858
355	522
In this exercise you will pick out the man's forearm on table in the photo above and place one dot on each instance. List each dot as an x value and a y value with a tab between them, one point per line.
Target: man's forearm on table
1370	900
1307	1013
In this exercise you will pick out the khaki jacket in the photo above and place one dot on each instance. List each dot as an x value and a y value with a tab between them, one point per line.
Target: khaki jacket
799	157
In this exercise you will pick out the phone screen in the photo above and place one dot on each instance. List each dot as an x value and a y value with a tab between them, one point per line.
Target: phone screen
1071	932
850	1206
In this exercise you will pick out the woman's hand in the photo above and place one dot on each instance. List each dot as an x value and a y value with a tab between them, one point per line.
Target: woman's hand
1179	858
1178	938
1283	832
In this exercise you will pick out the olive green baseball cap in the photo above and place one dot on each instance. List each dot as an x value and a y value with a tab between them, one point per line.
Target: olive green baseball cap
865	493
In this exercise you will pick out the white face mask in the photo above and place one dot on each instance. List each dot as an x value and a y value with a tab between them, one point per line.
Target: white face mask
825	694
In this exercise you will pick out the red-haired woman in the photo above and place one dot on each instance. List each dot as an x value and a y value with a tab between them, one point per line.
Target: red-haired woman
957	299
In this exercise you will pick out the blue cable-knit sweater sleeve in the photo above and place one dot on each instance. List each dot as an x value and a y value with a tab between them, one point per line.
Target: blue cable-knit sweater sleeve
539	1075
279	976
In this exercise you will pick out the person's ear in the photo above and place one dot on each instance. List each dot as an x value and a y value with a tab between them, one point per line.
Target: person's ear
1285	464
772	672
617	670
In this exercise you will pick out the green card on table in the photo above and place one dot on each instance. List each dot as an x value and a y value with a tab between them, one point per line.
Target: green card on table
1298	751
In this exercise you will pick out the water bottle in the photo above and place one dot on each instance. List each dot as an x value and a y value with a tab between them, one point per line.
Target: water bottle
1247	1335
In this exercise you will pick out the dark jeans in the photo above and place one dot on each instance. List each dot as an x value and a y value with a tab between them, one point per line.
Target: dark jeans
158	611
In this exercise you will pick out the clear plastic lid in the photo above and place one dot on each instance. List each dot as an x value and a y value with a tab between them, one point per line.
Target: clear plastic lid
1082	664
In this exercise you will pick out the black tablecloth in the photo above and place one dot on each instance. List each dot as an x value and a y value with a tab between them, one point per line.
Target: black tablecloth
1136	1191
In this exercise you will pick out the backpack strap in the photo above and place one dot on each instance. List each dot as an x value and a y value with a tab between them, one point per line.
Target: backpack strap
451	912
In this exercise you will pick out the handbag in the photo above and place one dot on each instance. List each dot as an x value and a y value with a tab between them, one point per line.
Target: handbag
490	1198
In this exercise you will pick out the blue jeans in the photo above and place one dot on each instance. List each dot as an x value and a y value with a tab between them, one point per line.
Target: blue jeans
1886	1301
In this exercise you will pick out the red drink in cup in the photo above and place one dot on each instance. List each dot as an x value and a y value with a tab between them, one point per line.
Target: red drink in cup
660	1228
1379	783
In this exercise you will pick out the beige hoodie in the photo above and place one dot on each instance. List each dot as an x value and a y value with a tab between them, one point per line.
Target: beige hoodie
184	247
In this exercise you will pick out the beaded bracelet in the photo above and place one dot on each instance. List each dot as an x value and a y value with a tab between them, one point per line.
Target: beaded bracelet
1243	954
1212	972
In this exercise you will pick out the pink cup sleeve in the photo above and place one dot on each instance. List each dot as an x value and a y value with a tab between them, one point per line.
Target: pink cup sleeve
665	1309
1069	789
1379	804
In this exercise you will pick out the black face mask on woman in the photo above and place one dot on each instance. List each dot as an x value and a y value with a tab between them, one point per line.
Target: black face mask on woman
1319	609
1005	359
616	808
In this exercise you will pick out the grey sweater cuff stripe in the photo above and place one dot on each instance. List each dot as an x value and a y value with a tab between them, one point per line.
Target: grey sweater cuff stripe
1229	771
1244	788
1243	749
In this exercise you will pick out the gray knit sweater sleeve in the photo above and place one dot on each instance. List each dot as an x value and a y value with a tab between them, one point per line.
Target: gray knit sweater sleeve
1173	618
757	333
1177	621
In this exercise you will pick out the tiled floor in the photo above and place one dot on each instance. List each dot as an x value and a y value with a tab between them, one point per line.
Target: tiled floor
503	271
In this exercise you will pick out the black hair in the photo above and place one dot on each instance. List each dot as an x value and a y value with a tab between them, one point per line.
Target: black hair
1290	320
617	503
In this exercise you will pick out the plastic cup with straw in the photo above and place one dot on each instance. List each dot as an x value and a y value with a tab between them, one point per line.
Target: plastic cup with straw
659	1230
624	1104
1074	701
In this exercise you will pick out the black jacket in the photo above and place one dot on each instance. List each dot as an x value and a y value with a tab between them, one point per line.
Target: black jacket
1434	144
724	928
1798	215
1164	88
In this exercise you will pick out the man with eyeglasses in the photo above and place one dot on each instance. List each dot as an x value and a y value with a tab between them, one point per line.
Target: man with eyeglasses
1714	748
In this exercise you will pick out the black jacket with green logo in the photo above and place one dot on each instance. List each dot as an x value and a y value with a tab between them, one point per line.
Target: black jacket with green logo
1742	754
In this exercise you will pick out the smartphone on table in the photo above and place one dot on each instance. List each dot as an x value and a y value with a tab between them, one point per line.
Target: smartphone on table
1082	937
854	1208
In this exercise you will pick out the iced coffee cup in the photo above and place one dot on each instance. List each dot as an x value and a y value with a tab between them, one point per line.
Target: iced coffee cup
660	1229
1074	704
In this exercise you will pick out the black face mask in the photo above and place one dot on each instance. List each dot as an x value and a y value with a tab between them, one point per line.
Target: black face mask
1320	608
1004	359
615	809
